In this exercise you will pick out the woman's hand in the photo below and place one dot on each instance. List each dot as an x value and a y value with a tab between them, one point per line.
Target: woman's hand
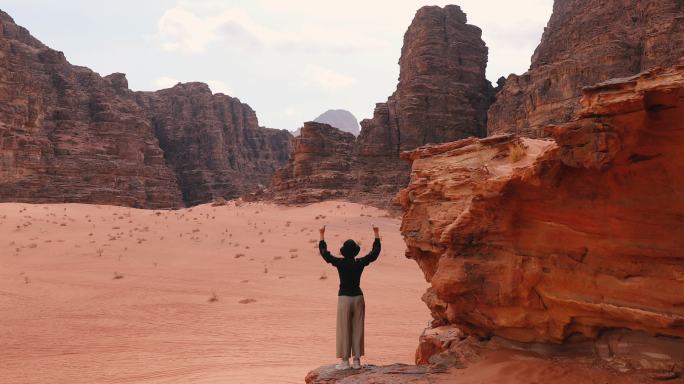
322	232
376	230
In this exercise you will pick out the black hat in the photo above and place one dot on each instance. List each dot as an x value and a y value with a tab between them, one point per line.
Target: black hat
350	248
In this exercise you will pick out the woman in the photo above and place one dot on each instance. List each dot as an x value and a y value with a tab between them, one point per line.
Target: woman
350	304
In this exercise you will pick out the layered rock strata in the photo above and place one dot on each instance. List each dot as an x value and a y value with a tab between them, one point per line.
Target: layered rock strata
321	166
619	357
586	42
70	135
213	142
550	241
442	95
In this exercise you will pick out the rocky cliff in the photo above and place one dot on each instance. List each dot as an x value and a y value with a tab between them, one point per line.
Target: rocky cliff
70	135
320	166
586	42
213	142
552	260
442	95
567	239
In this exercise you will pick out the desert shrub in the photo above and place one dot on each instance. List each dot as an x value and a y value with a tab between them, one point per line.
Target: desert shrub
516	151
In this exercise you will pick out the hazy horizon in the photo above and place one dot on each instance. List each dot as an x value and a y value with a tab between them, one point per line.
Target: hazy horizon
289	62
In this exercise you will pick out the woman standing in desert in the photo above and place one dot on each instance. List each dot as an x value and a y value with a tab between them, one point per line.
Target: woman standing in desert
350	304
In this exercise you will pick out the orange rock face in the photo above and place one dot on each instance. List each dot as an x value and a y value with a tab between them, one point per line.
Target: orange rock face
542	240
586	42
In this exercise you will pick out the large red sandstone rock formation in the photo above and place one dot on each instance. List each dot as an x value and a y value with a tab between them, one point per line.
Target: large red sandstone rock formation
213	143
586	42
69	135
320	167
442	95
541	240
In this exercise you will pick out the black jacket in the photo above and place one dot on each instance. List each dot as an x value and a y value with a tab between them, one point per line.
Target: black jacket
349	268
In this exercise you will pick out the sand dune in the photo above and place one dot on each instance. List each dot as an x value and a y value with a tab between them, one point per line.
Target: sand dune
227	294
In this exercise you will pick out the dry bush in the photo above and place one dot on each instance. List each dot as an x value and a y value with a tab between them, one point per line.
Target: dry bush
516	151
213	297
117	276
219	201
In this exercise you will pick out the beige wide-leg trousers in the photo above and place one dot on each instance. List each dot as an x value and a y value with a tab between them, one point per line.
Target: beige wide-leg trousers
351	311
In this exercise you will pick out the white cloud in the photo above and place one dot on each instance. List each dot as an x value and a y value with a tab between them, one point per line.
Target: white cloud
165	82
189	28
511	29
218	86
180	30
326	79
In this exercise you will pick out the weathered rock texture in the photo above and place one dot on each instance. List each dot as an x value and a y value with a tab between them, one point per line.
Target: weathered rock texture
586	42
213	142
442	95
70	135
389	374
466	359
543	241
319	168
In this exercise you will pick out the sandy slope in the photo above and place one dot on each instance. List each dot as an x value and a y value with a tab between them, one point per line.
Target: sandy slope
65	318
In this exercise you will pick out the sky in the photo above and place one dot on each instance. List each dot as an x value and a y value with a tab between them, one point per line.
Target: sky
289	60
